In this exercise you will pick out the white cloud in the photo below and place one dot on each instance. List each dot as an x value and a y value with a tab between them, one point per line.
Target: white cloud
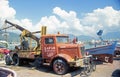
64	21
107	19
5	10
51	22
27	24
63	14
70	19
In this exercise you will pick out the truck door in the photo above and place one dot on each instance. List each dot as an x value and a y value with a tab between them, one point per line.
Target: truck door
48	48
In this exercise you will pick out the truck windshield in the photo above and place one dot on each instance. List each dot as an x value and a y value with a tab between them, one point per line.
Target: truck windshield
62	39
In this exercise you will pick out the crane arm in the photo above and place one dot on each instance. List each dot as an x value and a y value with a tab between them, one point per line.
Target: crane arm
25	32
15	25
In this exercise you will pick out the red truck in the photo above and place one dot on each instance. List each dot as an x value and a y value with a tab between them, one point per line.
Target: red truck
51	49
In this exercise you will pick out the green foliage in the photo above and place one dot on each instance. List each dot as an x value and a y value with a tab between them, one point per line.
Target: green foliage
1	56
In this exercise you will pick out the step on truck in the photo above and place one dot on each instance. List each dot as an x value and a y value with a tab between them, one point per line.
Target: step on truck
52	49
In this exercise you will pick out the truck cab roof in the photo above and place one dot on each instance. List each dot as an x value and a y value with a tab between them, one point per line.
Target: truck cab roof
65	35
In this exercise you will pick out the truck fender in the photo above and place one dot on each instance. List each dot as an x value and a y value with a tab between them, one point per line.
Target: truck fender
64	56
13	54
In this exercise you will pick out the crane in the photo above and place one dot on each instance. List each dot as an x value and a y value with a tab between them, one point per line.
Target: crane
26	33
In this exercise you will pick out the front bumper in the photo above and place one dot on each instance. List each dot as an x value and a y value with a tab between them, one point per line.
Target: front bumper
76	63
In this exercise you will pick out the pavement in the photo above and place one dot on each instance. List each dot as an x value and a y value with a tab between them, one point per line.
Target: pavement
1	62
102	70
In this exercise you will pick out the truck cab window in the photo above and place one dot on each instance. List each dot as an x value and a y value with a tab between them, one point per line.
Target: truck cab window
49	41
62	39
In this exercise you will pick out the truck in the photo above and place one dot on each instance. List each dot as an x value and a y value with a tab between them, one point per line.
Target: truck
54	50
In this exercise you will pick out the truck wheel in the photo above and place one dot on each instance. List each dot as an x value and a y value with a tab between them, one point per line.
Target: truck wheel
8	60
60	66
16	60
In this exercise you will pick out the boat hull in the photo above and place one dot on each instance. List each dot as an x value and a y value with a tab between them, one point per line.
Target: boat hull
103	53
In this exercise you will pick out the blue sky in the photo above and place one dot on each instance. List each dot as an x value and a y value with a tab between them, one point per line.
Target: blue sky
35	9
78	17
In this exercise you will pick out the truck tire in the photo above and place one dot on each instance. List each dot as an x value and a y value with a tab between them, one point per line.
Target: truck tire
16	61
60	66
8	60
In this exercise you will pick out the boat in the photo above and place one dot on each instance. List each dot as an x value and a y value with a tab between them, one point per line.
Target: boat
4	47
103	53
4	44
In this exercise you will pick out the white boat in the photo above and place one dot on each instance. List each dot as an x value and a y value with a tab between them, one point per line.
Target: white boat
4	44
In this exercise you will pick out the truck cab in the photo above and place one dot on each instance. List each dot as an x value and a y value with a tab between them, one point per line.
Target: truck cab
60	53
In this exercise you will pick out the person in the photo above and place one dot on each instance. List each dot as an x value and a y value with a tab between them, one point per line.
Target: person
75	40
25	44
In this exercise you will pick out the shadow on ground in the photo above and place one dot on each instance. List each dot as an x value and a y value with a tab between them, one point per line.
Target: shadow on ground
71	73
47	69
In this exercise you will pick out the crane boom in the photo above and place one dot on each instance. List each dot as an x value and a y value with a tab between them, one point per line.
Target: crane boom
15	25
25	32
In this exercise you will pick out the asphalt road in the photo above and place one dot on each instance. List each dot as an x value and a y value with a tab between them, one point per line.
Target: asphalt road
102	70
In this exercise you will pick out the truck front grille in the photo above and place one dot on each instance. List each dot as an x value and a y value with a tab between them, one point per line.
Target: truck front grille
82	49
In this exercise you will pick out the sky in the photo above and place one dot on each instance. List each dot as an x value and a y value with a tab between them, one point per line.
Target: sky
78	17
